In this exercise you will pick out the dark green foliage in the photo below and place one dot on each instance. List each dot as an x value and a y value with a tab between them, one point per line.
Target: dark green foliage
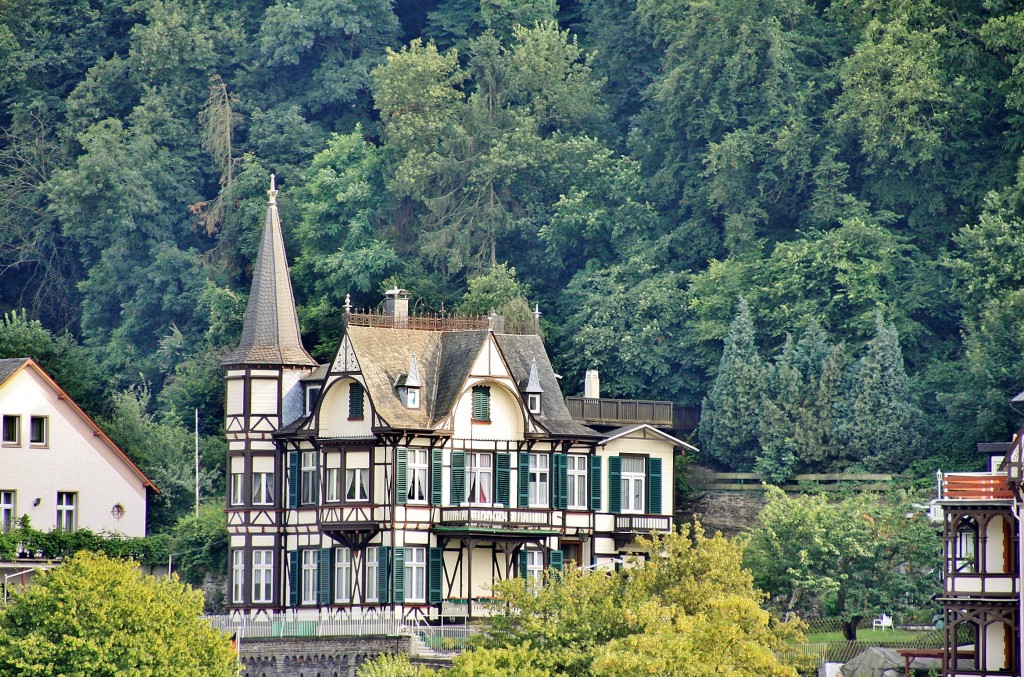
732	410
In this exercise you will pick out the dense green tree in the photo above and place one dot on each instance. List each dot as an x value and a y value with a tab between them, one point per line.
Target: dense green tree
861	556
101	617
732	410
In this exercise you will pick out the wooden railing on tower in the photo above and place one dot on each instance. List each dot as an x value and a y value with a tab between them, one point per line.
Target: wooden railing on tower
976	486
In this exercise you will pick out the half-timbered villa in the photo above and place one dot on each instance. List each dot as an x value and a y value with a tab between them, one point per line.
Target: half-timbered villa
431	457
981	573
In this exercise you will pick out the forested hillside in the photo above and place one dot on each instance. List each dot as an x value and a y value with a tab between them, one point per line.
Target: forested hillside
850	169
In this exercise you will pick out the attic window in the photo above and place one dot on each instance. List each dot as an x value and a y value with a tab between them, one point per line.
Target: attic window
533	403
312	394
481	403
412	398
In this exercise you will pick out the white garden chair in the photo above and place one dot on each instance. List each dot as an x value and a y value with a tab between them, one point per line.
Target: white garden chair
885	621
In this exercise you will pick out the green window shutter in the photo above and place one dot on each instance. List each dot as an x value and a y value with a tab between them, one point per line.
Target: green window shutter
383	574
355	400
399	576
654	506
561	484
502	477
481	403
555	560
316	480
293	479
293	578
324	593
595	483
401	475
435	574
522	563
458	477
614	485
524	479
436	468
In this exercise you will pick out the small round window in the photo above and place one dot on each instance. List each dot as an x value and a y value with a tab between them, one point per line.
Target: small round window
117	511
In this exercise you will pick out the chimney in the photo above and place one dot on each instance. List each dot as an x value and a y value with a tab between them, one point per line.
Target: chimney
396	306
496	323
592	384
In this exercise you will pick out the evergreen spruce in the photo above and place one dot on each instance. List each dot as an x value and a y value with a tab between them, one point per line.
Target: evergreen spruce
877	421
733	407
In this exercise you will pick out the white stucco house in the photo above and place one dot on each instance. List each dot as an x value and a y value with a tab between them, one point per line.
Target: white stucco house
57	467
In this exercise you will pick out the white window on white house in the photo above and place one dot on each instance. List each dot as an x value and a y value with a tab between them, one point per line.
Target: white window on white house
357	484
342	575
312	393
577	482
66	514
371	555
12	430
237	576
634	479
534	565
310	562
6	511
37	430
417	459
262	488
262	576
333	488
237	488
540	480
415	574
479	478
308	478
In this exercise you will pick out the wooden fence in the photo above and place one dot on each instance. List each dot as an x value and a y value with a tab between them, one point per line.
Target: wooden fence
748	481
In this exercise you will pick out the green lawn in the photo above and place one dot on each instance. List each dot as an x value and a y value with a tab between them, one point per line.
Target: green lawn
868	636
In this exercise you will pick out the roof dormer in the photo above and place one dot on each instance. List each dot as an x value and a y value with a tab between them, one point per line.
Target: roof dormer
409	385
533	391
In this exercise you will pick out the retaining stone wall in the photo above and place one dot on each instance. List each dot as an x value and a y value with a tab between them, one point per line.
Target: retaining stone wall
314	656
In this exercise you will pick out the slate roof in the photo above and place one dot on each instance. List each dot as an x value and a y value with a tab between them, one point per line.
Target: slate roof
9	366
270	334
520	351
445	359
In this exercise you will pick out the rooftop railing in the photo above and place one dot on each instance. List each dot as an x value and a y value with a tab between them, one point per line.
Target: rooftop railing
619	412
976	486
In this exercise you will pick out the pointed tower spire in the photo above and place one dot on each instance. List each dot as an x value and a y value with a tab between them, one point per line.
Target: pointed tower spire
413	378
533	384
270	334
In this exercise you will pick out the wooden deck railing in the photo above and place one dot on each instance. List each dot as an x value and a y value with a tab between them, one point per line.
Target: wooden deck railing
976	486
619	412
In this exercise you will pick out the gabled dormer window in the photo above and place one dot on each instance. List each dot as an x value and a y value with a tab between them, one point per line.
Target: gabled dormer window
356	396
533	390
409	386
312	394
481	403
533	402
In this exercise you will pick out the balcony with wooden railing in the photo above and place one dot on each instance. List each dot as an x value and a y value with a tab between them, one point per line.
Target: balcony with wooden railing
497	518
605	411
976	486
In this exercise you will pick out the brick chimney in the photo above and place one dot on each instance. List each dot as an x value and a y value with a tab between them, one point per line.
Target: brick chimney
396	306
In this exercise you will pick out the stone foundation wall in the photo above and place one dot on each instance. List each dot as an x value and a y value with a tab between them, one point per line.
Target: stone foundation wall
314	656
730	512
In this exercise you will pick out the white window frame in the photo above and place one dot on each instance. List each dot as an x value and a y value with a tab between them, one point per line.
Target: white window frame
540	481
8	441
634	485
534	565
67	511
577	470
357	479
238	576
310	576
342	575
332	485
370	568
263	488
479	477
533	402
418	466
43	439
412	398
237	488
8	505
307	477
415	574
965	550
312	393
262	576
